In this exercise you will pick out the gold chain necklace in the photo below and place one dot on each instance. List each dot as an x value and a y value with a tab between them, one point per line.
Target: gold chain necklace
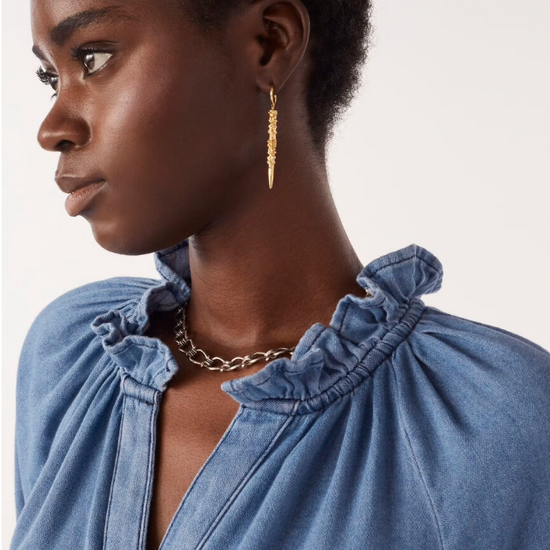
183	341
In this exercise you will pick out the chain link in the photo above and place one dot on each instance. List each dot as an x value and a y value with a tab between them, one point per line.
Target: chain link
183	340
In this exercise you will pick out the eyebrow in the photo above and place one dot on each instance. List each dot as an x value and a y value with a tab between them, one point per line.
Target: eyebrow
65	29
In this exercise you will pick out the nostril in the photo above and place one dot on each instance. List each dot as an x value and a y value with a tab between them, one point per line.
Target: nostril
63	145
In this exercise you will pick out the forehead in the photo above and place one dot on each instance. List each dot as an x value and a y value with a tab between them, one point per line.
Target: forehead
46	14
53	22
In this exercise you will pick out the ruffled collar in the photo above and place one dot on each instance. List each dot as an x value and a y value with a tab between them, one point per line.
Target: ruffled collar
327	362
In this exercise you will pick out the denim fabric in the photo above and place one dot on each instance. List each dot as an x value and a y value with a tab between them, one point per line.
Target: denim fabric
396	427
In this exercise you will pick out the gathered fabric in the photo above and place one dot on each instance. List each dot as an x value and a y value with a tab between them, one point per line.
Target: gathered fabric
396	427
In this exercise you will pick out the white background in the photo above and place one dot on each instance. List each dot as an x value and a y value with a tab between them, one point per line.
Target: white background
446	146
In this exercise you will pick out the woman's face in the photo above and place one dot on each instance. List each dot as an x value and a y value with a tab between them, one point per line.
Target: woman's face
170	119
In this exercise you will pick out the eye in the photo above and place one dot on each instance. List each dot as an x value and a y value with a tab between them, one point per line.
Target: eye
47	78
88	55
92	57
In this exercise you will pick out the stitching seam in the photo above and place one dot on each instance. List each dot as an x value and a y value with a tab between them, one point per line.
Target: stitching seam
199	474
150	472
432	506
115	471
244	481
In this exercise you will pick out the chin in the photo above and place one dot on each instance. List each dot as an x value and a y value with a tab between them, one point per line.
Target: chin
121	238
114	238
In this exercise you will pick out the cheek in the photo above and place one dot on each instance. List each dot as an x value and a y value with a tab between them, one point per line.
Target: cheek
166	128
137	127
174	150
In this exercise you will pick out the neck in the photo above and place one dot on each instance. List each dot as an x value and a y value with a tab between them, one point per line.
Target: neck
271	268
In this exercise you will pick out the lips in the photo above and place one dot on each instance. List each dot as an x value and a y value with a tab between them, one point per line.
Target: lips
83	198
70	184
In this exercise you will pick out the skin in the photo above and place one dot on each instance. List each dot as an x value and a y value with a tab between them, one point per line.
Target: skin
176	123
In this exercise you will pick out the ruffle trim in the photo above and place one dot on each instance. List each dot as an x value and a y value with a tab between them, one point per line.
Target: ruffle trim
327	362
121	329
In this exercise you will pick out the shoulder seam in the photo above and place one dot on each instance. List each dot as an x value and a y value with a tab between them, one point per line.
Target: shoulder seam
415	461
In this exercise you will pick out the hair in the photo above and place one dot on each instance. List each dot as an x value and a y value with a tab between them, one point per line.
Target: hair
340	37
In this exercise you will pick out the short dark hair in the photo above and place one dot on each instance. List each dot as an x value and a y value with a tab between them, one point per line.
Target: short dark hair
339	42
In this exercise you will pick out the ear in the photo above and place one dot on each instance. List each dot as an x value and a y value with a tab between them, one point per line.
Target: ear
281	41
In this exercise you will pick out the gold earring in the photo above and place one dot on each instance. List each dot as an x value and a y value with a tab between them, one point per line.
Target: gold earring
272	141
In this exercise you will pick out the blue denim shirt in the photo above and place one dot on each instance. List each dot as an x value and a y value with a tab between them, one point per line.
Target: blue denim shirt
396	427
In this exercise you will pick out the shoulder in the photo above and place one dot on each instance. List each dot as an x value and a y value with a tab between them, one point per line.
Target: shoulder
73	311
482	350
85	302
61	335
61	349
475	403
60	359
486	371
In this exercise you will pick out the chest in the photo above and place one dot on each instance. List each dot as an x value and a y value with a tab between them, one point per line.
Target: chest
194	414
190	425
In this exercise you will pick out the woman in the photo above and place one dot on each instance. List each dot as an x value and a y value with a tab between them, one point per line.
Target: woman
344	413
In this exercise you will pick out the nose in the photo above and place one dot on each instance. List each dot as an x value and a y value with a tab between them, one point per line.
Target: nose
64	127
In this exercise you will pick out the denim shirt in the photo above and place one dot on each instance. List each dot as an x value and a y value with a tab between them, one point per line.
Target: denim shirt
396	427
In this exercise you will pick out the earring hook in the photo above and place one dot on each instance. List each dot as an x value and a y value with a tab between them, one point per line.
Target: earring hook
273	97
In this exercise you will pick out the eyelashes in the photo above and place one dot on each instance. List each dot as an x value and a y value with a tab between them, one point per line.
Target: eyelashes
79	53
44	77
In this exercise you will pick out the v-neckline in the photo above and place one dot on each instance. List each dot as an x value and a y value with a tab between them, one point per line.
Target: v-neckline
269	399
243	446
